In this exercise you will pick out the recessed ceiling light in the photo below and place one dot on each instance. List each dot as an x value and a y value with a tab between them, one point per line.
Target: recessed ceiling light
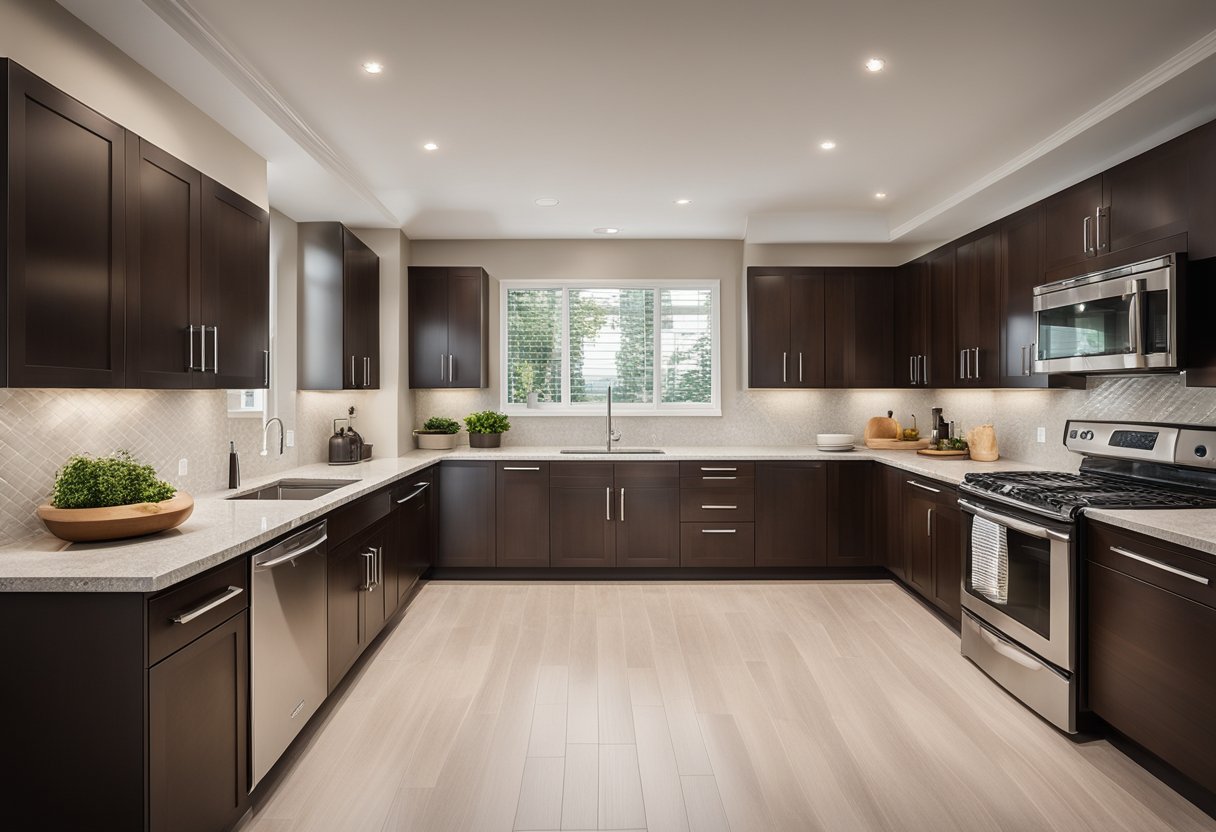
875	64
683	201
373	67
880	195
546	202
606	230
828	145
430	146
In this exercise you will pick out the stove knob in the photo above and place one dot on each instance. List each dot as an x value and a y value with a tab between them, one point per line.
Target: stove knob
1201	451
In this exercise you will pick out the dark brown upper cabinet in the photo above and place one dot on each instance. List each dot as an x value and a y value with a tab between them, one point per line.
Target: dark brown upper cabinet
785	327
977	311
1201	184
911	336
449	326
941	364
858	321
63	276
1068	224
1021	270
339	310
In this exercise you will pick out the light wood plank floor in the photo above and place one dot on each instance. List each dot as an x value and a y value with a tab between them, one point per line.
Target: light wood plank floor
706	706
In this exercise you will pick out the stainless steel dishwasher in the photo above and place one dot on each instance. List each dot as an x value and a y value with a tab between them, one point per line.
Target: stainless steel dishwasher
288	655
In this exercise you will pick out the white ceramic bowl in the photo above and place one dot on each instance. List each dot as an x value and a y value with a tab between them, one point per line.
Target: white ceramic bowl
835	439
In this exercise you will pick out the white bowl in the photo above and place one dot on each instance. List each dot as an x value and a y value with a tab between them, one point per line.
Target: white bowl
835	439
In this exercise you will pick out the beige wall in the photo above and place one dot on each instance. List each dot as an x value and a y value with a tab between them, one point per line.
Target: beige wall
827	254
49	41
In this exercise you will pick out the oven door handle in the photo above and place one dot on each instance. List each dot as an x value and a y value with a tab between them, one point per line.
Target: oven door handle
1013	523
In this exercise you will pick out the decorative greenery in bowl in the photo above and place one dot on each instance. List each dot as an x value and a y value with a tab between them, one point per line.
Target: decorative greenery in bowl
438	433
486	428
111	497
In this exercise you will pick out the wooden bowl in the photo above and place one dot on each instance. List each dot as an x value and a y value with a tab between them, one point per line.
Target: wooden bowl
89	525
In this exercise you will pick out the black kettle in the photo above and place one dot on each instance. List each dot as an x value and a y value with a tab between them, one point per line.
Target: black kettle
345	446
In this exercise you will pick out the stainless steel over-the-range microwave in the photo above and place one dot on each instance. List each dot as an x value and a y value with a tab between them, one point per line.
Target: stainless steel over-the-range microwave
1123	319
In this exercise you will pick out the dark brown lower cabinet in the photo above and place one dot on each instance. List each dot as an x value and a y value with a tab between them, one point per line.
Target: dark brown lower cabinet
791	514
380	601
581	529
647	511
522	514
198	732
850	504
1151	666
467	525
717	544
932	542
348	568
889	514
414	502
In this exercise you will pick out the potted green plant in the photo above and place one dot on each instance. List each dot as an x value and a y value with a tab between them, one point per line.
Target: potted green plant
438	433
486	428
112	497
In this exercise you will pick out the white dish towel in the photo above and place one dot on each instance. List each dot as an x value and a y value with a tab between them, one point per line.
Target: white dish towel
989	560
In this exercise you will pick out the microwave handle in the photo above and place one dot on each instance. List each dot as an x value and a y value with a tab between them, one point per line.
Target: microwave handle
1134	330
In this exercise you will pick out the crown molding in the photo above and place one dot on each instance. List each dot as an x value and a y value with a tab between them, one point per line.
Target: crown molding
1197	52
187	22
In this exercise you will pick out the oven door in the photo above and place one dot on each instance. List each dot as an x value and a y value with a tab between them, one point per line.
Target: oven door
1020	577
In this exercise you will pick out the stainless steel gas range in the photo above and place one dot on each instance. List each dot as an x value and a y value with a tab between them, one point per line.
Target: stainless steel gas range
1020	586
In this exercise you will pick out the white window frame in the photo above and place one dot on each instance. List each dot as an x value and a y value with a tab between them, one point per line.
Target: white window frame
596	409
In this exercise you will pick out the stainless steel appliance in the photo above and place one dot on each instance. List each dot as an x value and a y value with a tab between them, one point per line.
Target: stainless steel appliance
1020	585
288	653
1117	320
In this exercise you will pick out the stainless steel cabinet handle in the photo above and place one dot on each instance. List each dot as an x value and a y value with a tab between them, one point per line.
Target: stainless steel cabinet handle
924	369
929	522
1165	567
719	508
367	371
368	558
266	359
441	366
215	346
785	365
923	487
622	517
719	478
291	555
978	374
380	562
800	366
228	595
704	468
422	487
608	503
912	369
962	372
451	372
1098	228
202	348
718	531
1023	364
190	339
511	468
353	381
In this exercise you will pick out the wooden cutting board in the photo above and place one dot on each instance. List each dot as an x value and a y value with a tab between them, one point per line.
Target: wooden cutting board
881	427
949	454
897	444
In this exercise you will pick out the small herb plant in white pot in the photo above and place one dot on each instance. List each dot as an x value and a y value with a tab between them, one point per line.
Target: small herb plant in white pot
438	433
486	428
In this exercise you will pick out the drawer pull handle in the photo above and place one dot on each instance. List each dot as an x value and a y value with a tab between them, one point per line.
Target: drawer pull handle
718	531
515	468
719	508
923	487
1165	567
719	469
228	595
422	487
719	478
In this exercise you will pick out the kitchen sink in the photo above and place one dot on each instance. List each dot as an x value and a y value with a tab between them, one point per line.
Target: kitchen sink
294	490
613	451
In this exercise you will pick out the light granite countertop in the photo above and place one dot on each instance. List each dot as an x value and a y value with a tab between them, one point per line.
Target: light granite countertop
221	529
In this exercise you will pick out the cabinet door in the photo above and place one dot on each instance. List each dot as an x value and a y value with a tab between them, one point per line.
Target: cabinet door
360	314
648	526
522	514
806	328
873	325
582	528
66	239
236	290
768	328
198	740
1152	667
1146	197
977	311
1201	184
428	327
415	524
948	557
380	601
164	268
917	508
1021	271
942	364
468	298
910	294
348	569
1068	224
791	514
466	514
850	514
838	327
890	521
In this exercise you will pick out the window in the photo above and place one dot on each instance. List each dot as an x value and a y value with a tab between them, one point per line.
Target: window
655	343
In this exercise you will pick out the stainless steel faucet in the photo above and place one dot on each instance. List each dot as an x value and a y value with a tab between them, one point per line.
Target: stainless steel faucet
613	435
266	434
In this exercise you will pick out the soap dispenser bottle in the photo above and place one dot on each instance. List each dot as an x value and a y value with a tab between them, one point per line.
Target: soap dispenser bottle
234	467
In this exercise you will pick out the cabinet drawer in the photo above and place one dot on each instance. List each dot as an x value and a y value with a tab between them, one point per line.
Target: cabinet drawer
1169	567
581	474
717	544
166	636
646	474
353	518
412	488
717	505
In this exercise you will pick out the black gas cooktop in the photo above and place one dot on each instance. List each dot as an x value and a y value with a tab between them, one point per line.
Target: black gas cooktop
1064	494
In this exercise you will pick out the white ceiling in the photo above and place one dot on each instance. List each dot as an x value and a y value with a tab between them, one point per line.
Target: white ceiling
619	108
